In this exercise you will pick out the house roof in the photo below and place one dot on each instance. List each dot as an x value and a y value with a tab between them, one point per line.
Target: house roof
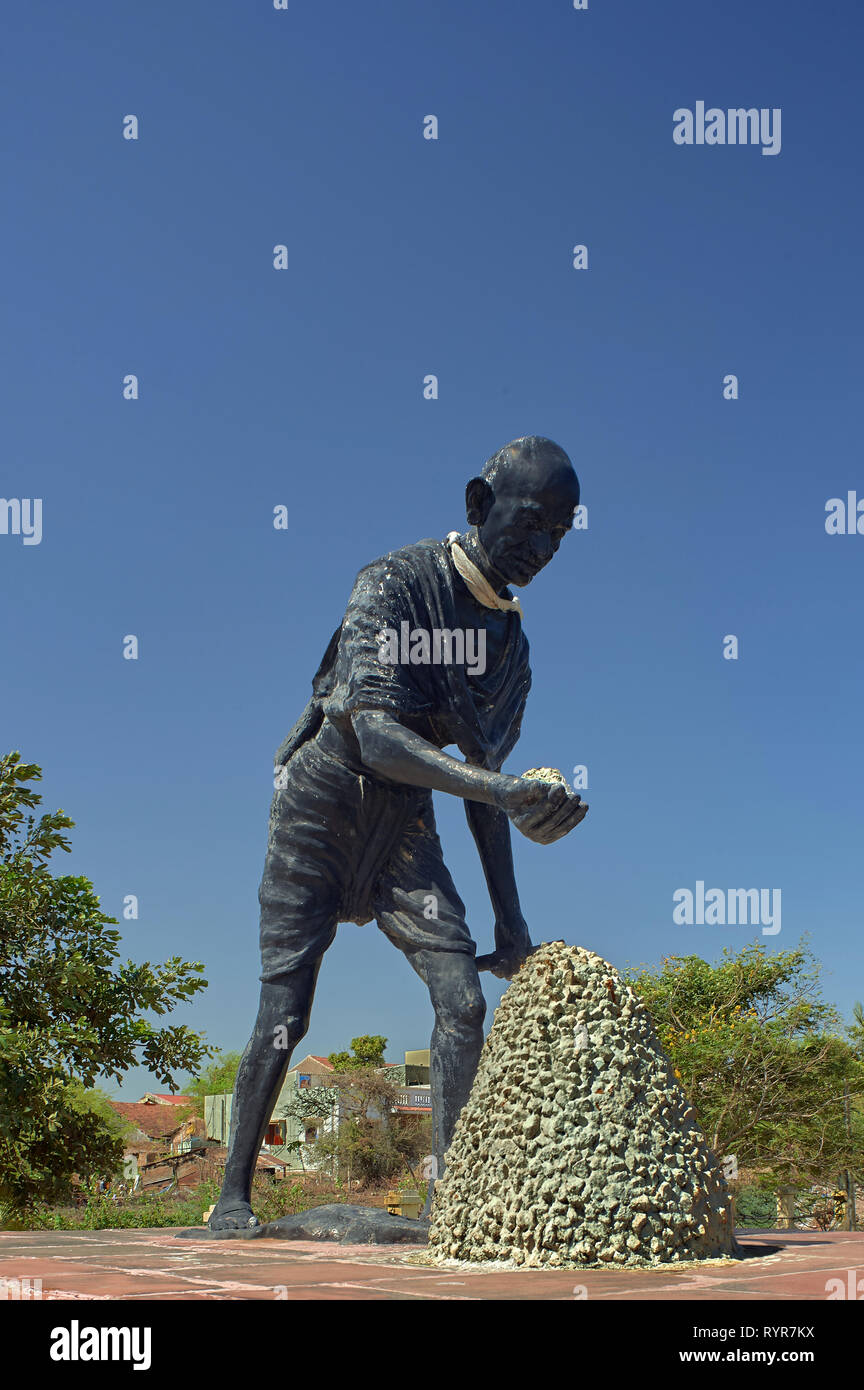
158	1098
322	1061
156	1121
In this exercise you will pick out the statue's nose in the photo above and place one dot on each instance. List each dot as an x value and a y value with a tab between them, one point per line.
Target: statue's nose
542	549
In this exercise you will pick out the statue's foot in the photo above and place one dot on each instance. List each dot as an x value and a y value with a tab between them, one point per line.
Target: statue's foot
232	1216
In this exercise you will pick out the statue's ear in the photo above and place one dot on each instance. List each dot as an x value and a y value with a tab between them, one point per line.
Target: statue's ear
478	500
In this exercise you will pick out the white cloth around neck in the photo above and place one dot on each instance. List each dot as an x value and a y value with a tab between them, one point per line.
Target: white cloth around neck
477	582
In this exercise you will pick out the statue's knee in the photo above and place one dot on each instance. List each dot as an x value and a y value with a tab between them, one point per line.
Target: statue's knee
282	1025
283	1015
463	1010
476	1010
288	1032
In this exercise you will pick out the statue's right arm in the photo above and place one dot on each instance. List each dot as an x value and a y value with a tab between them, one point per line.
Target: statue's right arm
386	746
542	811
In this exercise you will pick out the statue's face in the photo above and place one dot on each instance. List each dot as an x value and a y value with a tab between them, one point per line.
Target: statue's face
531	513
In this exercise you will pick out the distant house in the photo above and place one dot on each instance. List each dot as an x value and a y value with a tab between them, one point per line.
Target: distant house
414	1100
189	1134
154	1121
154	1126
190	1167
284	1128
414	1071
163	1150
308	1074
412	1076
313	1072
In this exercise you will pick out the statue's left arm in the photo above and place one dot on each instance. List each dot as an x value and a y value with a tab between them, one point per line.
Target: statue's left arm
491	830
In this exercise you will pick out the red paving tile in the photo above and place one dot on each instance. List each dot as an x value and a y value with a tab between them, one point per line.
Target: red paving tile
156	1265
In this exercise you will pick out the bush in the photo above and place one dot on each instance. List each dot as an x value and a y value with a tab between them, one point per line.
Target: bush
101	1213
755	1207
148	1211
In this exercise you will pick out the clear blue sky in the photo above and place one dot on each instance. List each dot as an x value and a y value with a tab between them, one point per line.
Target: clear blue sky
304	387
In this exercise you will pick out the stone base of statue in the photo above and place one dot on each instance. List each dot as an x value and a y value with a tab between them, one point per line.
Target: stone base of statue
578	1147
339	1222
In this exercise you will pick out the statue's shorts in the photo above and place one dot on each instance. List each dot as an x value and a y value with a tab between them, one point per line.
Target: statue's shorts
344	846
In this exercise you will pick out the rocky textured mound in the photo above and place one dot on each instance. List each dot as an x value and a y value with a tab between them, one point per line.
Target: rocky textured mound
577	1146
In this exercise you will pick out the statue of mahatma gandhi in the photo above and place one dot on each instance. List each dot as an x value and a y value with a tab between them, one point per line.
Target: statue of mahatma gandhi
352	831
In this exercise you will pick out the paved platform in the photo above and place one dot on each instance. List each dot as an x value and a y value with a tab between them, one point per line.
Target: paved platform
155	1265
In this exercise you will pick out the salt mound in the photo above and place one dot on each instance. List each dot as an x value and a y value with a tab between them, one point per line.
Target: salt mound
577	1146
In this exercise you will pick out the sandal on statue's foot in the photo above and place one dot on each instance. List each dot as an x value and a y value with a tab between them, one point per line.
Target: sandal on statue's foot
238	1216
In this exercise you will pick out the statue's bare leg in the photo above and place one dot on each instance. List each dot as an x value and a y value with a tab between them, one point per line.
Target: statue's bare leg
283	1019
457	1040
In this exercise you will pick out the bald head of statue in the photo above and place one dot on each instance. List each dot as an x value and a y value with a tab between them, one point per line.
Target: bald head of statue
522	506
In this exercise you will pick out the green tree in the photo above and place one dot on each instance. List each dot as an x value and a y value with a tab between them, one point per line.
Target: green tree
318	1102
69	1013
367	1146
366	1051
94	1101
216	1079
762	1059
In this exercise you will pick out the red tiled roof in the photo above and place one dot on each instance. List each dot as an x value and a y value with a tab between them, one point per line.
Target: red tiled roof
323	1060
156	1121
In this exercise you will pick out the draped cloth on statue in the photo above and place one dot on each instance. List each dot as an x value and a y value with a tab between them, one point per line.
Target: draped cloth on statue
346	844
480	713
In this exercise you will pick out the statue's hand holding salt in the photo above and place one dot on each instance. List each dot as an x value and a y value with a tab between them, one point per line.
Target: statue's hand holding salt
541	805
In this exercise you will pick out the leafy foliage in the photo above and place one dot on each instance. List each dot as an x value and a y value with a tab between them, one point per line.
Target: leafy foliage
216	1079
69	1014
367	1146
755	1207
366	1051
102	1212
762	1059
319	1102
